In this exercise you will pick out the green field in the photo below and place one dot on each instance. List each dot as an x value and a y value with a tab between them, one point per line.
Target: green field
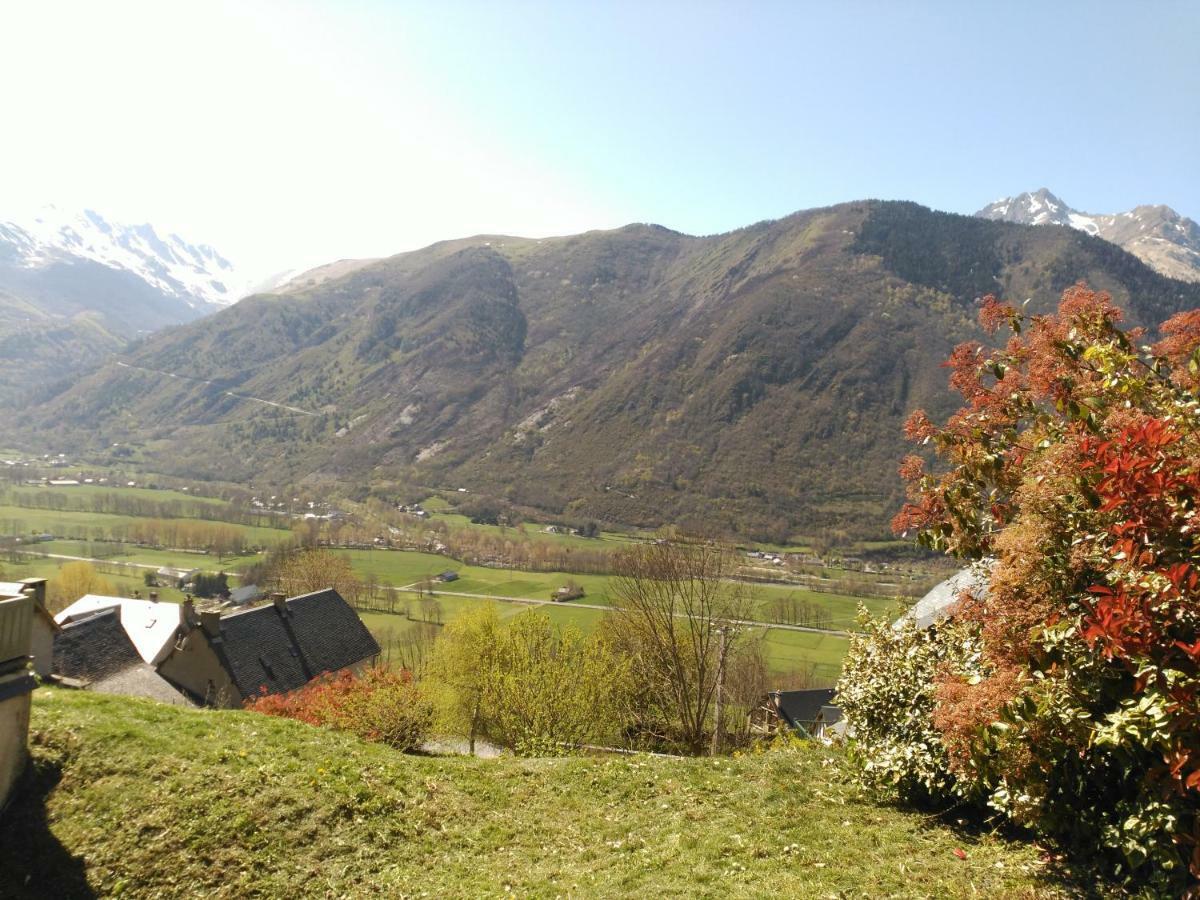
129	553
399	568
786	651
85	491
18	521
124	584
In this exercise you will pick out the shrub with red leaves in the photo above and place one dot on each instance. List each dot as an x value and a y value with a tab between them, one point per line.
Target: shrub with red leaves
1075	464
379	705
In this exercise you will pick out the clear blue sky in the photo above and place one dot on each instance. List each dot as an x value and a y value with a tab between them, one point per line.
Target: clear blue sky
293	133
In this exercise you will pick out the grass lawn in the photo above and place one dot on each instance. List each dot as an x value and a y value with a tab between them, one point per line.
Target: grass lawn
785	649
128	797
404	567
399	567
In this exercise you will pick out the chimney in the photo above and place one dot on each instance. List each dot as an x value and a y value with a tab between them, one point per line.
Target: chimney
211	623
280	602
189	613
154	596
36	588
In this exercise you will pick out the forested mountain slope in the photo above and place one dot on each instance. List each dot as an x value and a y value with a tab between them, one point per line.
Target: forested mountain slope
753	382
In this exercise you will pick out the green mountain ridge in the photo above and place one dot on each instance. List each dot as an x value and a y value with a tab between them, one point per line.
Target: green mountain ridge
751	383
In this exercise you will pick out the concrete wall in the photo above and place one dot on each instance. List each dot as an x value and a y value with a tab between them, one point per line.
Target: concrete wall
193	666
42	643
16	692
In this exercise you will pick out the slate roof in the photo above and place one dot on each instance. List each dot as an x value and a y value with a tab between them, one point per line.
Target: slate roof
141	680
800	708
94	647
152	625
265	648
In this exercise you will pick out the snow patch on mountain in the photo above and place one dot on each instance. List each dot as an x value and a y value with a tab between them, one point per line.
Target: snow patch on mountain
1159	236
195	273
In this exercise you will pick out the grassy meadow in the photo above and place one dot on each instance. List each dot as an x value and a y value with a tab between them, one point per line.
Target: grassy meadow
136	799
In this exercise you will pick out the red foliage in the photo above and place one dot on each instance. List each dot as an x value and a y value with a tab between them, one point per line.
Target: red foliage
1075	464
1180	343
379	705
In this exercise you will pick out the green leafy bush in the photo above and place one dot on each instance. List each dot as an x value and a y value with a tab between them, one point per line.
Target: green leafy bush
888	691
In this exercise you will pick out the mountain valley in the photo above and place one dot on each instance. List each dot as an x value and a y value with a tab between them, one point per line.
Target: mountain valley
748	383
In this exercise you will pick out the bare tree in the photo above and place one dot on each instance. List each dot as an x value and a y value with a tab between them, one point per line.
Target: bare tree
675	601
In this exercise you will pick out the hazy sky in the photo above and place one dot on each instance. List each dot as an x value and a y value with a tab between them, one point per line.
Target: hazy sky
292	133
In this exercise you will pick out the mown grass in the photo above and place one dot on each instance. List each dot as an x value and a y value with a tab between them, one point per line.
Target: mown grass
136	799
401	567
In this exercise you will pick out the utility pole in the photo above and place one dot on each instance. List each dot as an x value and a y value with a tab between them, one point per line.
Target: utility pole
719	711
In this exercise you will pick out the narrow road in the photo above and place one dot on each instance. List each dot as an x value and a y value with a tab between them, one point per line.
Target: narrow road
571	604
92	559
295	409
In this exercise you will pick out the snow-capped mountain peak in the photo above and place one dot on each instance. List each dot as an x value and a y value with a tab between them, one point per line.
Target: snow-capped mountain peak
195	273
1159	236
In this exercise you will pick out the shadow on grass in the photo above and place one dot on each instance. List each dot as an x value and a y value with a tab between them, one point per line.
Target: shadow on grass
1059	869
33	863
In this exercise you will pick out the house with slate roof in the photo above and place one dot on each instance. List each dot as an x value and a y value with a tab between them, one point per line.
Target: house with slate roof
94	646
812	712
223	659
152	625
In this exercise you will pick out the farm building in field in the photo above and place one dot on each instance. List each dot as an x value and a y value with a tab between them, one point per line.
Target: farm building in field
224	659
168	576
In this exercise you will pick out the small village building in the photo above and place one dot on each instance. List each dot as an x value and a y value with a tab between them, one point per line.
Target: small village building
567	592
93	646
168	576
938	603
247	593
224	659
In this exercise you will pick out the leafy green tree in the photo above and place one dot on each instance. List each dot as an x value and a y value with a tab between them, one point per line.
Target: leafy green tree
550	689
528	685
460	669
